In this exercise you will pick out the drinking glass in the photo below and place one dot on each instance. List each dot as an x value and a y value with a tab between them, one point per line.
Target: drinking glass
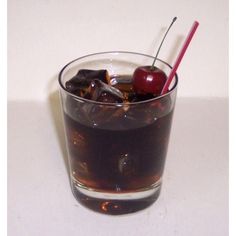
116	151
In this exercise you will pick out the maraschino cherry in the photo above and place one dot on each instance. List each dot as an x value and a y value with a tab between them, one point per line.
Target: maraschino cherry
150	79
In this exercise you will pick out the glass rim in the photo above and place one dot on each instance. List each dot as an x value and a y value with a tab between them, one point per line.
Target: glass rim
78	98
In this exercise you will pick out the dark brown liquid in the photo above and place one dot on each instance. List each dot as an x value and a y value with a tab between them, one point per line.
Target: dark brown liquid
117	160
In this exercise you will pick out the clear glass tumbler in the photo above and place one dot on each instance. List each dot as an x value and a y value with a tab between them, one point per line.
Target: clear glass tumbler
116	152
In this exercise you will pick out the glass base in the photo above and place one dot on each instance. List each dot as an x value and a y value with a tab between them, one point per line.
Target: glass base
116	203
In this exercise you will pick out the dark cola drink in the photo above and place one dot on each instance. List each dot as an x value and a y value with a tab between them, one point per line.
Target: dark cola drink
119	148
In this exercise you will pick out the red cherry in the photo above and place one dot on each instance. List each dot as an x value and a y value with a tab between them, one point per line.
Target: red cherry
148	79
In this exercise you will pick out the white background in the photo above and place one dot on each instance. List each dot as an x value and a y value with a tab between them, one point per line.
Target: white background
44	35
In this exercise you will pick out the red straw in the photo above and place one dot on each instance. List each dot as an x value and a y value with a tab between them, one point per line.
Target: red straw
180	56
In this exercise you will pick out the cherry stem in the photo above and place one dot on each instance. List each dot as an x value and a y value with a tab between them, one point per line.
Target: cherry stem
152	66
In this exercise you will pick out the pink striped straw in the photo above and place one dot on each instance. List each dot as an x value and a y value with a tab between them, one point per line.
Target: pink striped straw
180	56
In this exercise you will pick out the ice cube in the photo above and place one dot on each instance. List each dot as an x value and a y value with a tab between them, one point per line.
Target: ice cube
124	84
94	74
78	86
101	92
80	83
127	165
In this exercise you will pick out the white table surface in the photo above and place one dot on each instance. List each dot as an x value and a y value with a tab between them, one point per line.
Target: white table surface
194	197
